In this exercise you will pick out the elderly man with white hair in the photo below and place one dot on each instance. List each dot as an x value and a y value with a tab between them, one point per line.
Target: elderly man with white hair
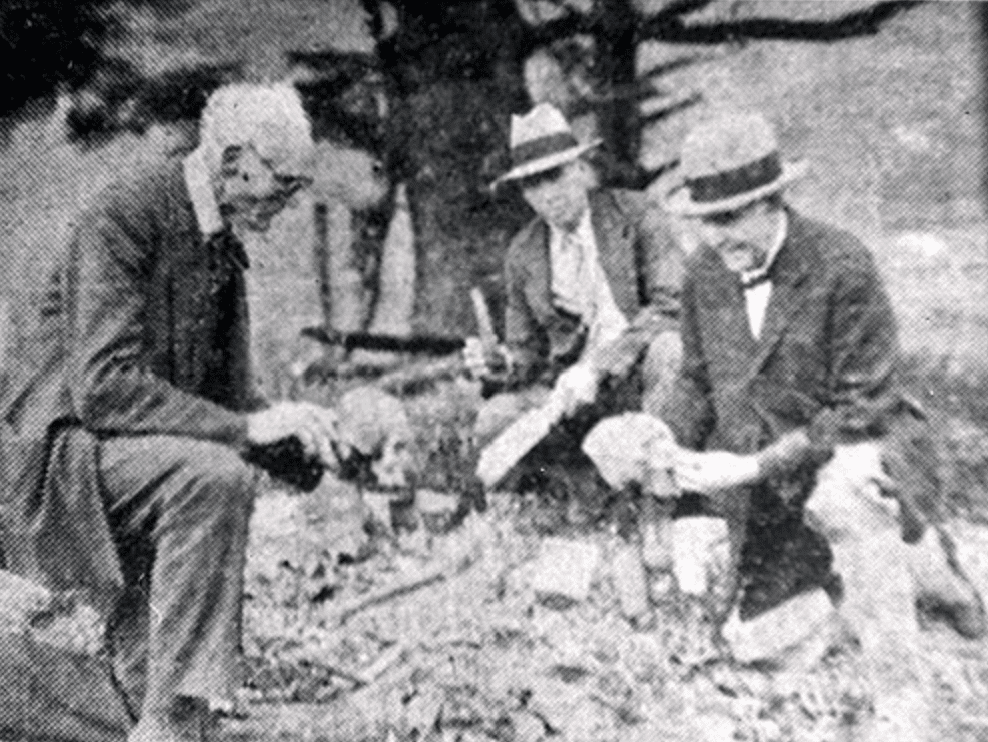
130	408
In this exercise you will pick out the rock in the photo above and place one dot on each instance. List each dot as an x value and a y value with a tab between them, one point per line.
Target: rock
438	510
699	547
628	576
797	633
527	727
54	682
339	721
565	569
971	542
716	727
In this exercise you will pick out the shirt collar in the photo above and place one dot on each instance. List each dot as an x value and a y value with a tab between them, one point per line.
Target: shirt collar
583	232
200	190
780	239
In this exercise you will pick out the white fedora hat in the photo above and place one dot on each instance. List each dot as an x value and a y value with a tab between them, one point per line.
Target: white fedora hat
541	140
727	163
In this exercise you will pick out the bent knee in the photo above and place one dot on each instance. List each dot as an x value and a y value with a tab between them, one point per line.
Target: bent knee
221	465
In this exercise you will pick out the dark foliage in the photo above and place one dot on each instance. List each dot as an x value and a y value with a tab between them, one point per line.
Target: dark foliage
47	42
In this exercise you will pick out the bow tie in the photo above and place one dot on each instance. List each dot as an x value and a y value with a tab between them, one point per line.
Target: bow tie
755	281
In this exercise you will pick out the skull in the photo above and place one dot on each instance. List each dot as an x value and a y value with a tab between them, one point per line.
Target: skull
374	424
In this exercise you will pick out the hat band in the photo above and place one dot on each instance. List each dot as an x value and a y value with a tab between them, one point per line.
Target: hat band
536	149
748	177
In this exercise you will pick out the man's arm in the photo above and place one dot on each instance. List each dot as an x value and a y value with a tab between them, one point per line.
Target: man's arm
112	393
690	412
659	266
521	335
863	355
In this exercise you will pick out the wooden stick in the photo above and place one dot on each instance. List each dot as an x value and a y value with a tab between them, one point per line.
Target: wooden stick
384	594
402	587
485	328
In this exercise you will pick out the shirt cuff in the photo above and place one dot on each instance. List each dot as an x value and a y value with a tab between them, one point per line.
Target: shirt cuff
785	455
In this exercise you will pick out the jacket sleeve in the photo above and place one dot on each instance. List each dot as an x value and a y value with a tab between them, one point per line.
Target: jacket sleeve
860	393
863	355
659	267
109	268
520	327
690	411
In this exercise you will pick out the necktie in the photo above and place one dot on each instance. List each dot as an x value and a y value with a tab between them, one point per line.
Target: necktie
226	257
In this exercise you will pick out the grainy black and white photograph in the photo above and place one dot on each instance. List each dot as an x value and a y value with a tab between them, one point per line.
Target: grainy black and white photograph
493	371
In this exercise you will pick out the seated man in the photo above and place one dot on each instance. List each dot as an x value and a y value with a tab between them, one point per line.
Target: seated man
131	406
592	291
789	353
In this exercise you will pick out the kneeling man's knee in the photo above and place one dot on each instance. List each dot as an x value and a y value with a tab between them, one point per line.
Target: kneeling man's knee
220	466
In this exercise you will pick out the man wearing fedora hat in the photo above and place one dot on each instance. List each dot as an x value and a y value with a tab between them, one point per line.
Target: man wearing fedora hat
592	293
789	362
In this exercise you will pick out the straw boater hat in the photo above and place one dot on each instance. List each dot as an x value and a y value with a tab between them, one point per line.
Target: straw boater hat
727	163
541	140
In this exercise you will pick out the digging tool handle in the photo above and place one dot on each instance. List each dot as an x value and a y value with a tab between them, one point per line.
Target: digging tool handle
501	454
485	328
433	344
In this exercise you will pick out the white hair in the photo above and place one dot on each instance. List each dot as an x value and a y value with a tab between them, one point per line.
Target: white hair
269	117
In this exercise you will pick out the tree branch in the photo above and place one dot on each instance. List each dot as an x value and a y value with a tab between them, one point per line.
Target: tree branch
860	23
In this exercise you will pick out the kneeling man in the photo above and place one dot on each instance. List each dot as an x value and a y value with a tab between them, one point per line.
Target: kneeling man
130	408
789	361
592	295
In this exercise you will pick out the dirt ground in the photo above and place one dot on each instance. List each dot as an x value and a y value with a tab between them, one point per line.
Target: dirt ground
477	654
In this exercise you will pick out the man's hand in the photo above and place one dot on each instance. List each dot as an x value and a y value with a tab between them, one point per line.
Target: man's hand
483	364
709	471
575	387
316	428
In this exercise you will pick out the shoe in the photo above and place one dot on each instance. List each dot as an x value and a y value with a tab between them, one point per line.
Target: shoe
185	721
967	618
942	588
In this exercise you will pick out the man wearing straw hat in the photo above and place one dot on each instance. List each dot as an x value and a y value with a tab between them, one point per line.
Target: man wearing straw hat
592	294
789	362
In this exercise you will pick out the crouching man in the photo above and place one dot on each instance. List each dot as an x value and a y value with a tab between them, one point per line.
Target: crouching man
592	297
789	359
130	407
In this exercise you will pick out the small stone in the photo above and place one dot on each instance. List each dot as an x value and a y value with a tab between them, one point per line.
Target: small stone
799	631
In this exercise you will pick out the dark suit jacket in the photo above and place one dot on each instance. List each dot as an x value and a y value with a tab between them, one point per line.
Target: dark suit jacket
142	329
825	362
640	259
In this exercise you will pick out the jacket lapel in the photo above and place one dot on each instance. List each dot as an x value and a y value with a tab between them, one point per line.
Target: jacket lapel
615	250
722	296
538	289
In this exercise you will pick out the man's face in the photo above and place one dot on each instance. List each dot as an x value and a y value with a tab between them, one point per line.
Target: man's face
742	238
251	192
559	195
